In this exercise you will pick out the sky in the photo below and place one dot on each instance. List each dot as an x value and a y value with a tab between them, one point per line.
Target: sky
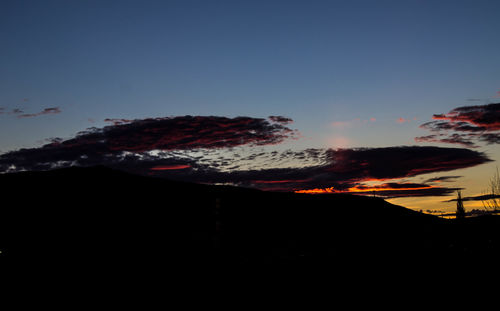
363	95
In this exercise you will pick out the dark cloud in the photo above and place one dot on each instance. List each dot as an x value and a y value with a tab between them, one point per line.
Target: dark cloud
346	169
465	126
118	121
280	119
180	133
404	161
395	190
487	116
188	133
203	150
441	179
458	139
53	110
343	169
483	197
490	138
437	126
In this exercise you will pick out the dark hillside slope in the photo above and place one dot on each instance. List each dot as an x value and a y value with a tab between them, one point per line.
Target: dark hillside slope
94	221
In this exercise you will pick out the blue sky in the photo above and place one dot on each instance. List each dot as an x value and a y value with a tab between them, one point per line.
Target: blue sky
317	62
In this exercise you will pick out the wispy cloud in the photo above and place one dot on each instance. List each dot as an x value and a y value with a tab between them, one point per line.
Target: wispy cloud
53	110
483	197
441	179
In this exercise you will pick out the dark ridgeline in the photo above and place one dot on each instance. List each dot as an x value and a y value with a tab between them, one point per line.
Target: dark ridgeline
97	222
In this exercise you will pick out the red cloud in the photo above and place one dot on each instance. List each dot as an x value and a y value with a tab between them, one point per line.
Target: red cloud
170	167
191	133
470	124
486	116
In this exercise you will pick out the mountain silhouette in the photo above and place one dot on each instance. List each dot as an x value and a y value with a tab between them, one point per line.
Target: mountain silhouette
95	221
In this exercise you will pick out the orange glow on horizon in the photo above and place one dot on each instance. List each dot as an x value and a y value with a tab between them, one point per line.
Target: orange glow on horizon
372	189
362	189
318	190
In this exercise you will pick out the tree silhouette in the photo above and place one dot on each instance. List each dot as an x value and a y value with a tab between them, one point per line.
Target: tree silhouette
493	202
460	206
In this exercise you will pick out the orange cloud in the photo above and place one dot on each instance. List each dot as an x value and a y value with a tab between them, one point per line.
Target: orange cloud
387	190
318	191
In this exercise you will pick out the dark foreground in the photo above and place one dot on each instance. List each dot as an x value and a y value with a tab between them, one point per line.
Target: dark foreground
98	224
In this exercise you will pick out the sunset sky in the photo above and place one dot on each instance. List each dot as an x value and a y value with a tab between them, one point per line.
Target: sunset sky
395	98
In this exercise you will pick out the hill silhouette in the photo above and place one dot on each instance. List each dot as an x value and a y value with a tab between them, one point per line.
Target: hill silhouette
97	221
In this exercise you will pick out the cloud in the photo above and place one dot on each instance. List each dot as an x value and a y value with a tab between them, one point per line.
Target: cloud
484	197
441	179
466	126
138	136
490	138
403	161
53	110
280	119
395	190
220	150
346	170
487	116
459	139
117	121
181	133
